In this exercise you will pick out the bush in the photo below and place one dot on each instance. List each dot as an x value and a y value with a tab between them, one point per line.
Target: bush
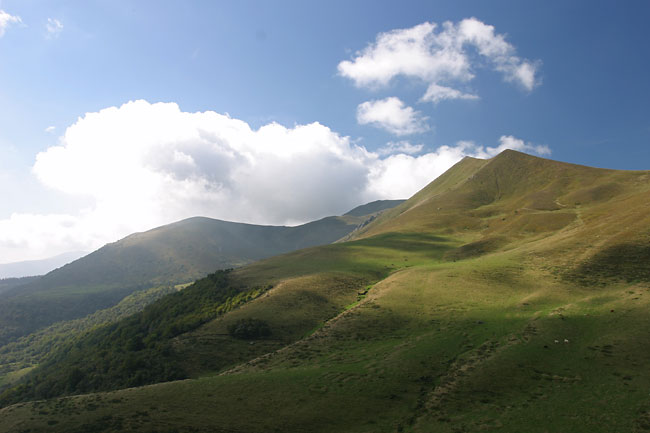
248	329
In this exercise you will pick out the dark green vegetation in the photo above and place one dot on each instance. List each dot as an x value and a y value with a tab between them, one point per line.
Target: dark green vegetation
509	295
249	329
20	357
136	350
7	284
168	255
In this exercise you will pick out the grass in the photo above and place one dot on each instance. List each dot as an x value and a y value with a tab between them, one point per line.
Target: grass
439	346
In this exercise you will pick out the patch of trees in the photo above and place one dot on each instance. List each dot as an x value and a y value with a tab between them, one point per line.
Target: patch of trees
135	351
34	348
249	329
7	284
23	313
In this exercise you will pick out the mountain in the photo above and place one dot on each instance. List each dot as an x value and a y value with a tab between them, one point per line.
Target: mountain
37	267
176	253
510	294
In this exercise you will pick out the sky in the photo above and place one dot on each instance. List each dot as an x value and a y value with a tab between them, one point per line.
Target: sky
117	117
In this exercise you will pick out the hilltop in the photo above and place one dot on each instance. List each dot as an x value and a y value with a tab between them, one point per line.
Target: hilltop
510	294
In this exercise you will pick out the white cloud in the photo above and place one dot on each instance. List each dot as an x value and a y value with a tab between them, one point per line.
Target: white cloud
400	147
513	143
155	157
6	20
438	57
400	176
50	129
54	27
436	93
392	115
142	165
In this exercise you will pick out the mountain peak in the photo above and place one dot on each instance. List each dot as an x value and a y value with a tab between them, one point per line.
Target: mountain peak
505	185
515	155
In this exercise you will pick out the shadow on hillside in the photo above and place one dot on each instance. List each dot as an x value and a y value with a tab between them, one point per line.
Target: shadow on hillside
408	242
624	262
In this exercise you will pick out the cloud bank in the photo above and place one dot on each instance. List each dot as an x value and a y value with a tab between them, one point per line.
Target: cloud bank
142	165
441	56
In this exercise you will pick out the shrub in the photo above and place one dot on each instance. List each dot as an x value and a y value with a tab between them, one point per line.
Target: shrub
248	329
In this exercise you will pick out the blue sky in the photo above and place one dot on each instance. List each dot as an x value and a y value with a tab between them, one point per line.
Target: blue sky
276	66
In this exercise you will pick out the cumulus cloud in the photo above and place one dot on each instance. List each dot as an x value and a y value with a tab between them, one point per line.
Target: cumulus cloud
141	165
439	56
6	20
154	157
50	129
53	27
401	175
392	115
400	147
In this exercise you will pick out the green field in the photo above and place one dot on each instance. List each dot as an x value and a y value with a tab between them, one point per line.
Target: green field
510	295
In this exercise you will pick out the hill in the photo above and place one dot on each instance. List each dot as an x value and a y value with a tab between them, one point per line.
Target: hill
172	254
509	295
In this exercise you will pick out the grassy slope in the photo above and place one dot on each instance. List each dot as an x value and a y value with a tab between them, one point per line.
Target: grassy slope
450	337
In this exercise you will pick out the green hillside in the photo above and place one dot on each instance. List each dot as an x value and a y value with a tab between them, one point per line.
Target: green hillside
172	254
7	284
509	295
21	356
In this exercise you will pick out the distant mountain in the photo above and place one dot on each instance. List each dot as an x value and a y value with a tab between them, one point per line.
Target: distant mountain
38	267
167	255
